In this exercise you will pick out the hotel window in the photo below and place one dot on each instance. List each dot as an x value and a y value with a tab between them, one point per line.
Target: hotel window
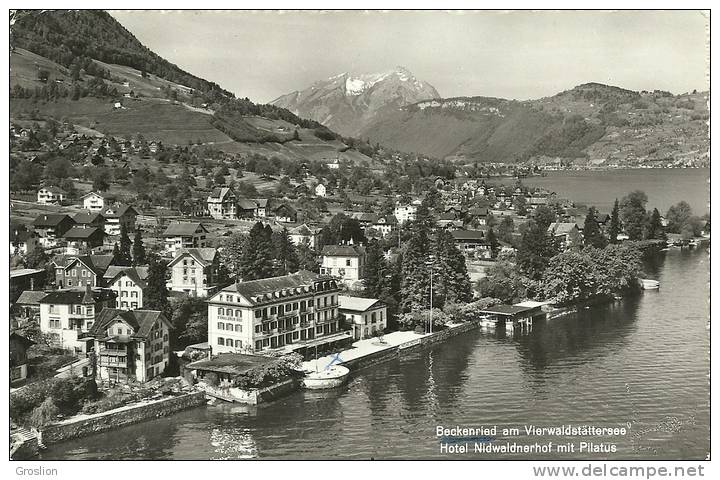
347	262
133	294
221	311
124	304
318	329
238	343
89	325
258	329
124	293
134	305
296	335
238	328
273	310
238	313
88	310
54	323
74	273
221	326
295	306
69	283
221	341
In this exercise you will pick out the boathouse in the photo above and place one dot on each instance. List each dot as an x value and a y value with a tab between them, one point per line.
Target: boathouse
516	316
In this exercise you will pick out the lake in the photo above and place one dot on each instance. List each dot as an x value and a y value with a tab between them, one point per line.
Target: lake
663	186
641	363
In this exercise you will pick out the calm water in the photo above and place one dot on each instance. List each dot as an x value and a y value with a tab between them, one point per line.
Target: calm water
664	187
642	362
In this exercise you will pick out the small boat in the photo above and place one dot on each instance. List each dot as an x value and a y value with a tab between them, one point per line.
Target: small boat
332	377
648	284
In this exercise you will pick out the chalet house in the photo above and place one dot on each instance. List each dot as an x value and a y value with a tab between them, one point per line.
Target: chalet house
406	213
130	345
68	315
564	231
262	207
479	214
93	201
82	240
27	305
117	215
365	219
472	242
51	227
18	357
22	240
128	283
79	271
184	235
285	213
368	316
302	234
194	271
320	190
344	261
386	224
51	195
222	204
89	219
247	208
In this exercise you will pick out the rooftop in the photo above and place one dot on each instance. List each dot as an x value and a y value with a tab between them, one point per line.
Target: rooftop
289	283
342	251
358	304
183	229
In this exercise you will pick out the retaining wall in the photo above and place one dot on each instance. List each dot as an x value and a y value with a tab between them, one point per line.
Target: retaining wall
115	418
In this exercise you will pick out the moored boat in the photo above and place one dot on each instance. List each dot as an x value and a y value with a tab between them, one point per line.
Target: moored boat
648	284
331	377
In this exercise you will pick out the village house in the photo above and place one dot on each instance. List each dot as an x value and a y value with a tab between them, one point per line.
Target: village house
68	315
564	231
346	262
51	227
406	213
22	279
320	190
222	204
194	271
128	283
385	224
18	357
304	235
89	219
93	202
82	240
368	316
51	195
246	208
27	305
472	243
117	215
262	204
22	240
130	345
293	311
79	271
285	213
179	235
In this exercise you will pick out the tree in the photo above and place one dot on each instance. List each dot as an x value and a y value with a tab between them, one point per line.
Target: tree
655	229
124	257
307	258
415	288
342	229
536	249
232	251
100	180
189	320
615	226
633	214
544	216
377	273
286	256
138	249
155	296
44	414
506	229
569	278
504	281
520	204
451	279
678	216
256	261
592	234
493	243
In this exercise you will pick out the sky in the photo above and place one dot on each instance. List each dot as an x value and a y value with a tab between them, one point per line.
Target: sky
520	55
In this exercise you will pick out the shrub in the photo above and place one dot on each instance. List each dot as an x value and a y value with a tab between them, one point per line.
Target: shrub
44	413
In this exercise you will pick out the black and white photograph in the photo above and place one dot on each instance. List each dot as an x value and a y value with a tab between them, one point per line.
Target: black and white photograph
360	235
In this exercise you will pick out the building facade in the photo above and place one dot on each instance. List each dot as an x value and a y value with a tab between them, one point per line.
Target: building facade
180	235
194	271
128	283
222	204
51	196
346	262
368	316
93	202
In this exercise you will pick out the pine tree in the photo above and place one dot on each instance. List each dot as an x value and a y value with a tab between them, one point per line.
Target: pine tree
377	283
307	258
655	229
256	261
124	257
155	296
138	249
493	242
116	253
593	236
451	282
633	214
415	288
286	256
614	229
536	249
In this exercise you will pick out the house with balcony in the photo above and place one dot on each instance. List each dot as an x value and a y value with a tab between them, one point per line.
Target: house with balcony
93	201
119	214
385	225
406	212
68	315
130	345
304	235
222	204
80	271
194	271
82	240
128	283
346	262
51	227
472	243
179	235
368	316
51	195
291	312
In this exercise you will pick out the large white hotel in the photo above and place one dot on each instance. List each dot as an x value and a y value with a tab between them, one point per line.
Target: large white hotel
288	312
